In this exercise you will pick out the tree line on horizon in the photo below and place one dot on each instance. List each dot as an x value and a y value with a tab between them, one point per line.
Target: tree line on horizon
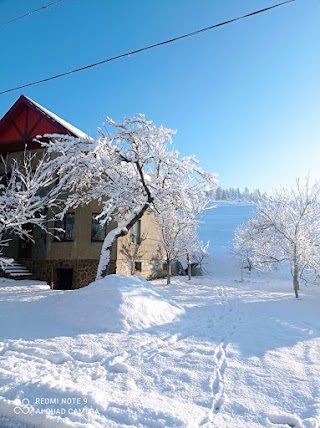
235	194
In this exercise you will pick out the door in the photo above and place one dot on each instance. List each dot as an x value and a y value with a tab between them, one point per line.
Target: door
25	246
64	278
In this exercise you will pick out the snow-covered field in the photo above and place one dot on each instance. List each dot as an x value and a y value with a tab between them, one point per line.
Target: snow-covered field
213	352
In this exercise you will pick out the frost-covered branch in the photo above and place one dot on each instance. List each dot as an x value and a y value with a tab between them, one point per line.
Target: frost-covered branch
29	190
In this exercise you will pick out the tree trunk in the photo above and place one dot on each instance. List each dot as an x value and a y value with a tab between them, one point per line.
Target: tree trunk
189	267
104	261
132	266
296	279
169	271
200	267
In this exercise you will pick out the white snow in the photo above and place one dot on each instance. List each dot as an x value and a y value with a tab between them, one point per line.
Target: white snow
210	352
114	304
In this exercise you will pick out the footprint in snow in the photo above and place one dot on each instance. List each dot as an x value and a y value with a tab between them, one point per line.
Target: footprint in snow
86	358
119	368
118	364
216	381
59	358
287	420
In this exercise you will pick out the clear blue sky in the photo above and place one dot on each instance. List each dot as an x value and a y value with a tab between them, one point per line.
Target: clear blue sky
245	98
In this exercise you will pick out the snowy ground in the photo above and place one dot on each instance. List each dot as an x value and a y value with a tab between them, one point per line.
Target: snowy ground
213	352
237	355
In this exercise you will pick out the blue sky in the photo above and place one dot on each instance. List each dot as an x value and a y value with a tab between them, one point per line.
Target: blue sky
245	98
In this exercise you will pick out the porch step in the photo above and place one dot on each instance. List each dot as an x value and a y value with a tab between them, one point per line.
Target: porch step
14	270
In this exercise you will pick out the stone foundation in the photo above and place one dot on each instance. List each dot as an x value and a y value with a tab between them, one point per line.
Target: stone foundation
84	271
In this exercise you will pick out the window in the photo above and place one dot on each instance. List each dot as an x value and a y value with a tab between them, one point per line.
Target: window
136	233
67	226
98	230
138	266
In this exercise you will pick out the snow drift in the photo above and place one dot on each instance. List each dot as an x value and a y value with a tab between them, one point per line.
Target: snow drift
115	304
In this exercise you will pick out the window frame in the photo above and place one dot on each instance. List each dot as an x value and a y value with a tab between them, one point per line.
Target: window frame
93	215
63	225
135	235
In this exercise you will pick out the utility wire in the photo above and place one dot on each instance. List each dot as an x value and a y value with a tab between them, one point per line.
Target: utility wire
165	42
30	13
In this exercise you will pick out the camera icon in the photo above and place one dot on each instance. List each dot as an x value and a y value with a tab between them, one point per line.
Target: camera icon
23	406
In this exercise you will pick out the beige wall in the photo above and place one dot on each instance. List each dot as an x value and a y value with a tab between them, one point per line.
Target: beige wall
149	252
19	157
81	247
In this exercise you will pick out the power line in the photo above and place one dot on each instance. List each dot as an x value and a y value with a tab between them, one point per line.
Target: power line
30	13
165	42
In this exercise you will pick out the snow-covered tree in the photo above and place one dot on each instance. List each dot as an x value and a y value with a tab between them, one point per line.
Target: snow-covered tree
238	194
201	253
29	188
179	234
287	228
128	170
171	228
224	196
189	239
246	193
243	247
218	194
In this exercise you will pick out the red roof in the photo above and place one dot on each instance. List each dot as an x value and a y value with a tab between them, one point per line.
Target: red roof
25	120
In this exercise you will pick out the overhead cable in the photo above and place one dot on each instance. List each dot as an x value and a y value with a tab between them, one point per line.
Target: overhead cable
155	45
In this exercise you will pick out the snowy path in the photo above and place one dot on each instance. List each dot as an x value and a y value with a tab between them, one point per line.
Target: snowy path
242	355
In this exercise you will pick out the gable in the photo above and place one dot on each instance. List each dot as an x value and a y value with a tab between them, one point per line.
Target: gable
23	122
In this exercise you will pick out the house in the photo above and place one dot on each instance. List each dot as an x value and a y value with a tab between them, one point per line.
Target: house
69	259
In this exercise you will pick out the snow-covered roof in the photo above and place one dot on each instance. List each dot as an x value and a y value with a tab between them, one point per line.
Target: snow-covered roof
77	132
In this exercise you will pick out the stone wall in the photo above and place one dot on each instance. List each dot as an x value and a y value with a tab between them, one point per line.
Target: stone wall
84	271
